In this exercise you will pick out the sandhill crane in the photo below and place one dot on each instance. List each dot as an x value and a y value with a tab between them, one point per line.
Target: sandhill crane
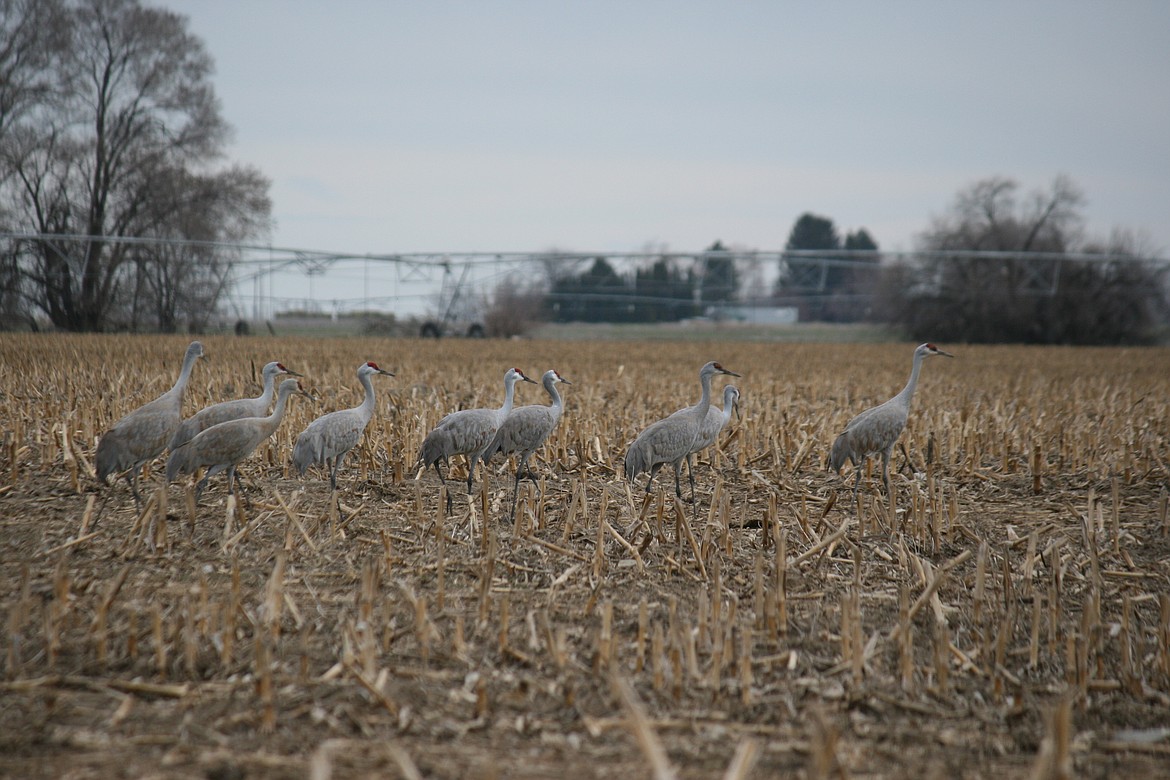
224	445
142	435
671	440
715	421
329	438
526	428
467	432
231	410
877	429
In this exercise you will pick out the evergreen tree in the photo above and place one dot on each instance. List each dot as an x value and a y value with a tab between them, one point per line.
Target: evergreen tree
720	280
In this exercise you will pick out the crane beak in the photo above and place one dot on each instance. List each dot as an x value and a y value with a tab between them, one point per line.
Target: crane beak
944	354
526	379
738	413
385	373
290	372
729	373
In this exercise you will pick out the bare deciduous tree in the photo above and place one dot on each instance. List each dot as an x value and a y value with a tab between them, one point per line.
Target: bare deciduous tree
119	144
1031	287
516	307
31	36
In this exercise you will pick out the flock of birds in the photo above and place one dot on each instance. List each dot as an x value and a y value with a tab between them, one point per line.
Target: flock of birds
219	437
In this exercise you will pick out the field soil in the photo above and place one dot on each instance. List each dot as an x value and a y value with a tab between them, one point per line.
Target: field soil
1006	615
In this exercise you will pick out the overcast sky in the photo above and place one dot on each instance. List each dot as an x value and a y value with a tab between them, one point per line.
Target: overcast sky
525	125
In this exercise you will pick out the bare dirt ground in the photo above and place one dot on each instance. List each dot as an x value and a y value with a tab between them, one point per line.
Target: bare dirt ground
1010	619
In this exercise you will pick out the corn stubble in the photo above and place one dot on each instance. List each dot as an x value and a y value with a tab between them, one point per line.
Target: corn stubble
1007	611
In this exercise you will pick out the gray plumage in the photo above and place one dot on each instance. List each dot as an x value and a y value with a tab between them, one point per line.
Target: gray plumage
525	429
231	410
142	435
876	430
329	438
224	445
671	440
467	432
715	421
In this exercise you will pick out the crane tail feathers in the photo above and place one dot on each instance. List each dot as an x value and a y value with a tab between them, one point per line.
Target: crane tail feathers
176	465
102	464
840	452
106	460
490	452
635	463
430	451
302	457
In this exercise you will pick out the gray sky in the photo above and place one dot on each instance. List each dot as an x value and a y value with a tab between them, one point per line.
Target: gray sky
526	125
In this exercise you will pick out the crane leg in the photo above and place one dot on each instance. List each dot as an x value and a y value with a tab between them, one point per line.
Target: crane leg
444	481
515	493
211	472
240	486
132	481
524	471
471	472
653	470
886	473
233	478
691	475
200	485
857	482
337	461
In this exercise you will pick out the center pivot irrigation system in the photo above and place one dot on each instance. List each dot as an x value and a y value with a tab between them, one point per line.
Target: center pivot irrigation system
448	293
455	288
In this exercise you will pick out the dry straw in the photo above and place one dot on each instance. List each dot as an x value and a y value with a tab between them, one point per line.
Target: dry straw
1017	576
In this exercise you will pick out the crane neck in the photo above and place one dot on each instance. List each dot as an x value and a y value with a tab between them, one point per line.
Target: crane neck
509	396
269	385
271	422
278	411
728	408
705	398
367	404
550	386
908	391
184	375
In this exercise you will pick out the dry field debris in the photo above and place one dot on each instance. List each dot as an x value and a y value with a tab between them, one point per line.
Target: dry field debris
1009	616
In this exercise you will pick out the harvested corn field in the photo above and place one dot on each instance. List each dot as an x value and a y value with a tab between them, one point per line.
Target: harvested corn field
1008	617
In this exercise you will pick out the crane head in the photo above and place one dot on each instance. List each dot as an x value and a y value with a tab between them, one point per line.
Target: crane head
557	376
370	367
516	375
275	368
280	369
930	349
732	392
715	368
291	386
